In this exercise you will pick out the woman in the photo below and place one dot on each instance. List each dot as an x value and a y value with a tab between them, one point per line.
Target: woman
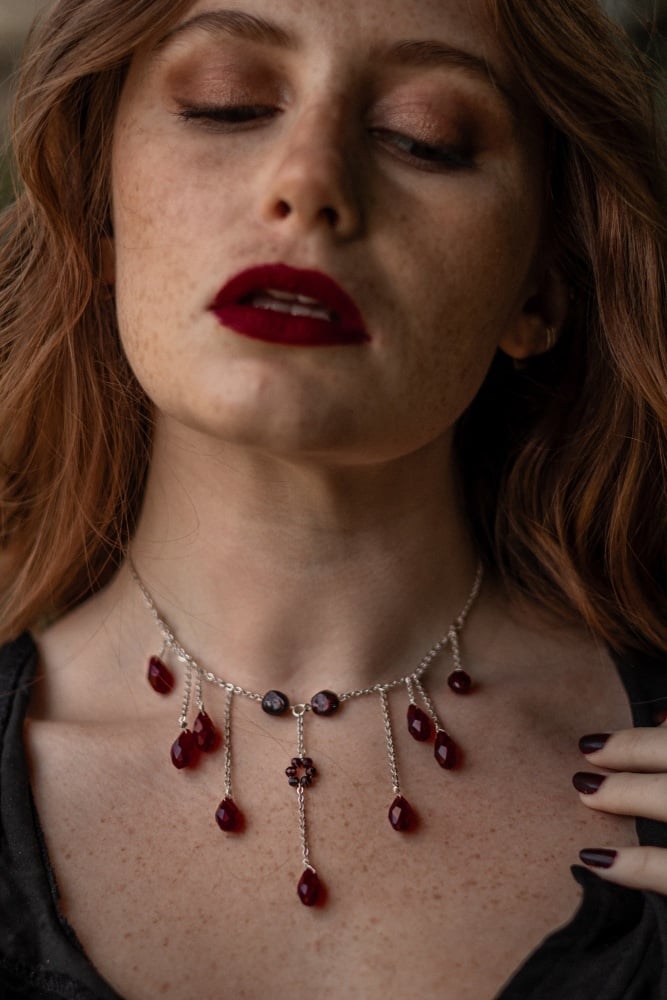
305	312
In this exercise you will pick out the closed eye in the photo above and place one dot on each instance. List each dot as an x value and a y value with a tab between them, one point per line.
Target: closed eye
219	116
430	156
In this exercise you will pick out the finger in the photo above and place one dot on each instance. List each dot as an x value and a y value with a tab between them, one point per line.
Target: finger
634	867
623	793
642	749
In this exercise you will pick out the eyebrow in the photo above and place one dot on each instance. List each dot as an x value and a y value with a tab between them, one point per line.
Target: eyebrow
431	53
233	22
418	53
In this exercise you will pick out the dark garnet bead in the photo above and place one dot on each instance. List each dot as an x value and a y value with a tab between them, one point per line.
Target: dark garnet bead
300	772
419	724
275	703
184	750
401	815
228	816
460	682
324	703
206	735
160	676
446	751
309	887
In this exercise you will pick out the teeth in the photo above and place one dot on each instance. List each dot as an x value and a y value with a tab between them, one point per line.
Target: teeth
289	297
295	305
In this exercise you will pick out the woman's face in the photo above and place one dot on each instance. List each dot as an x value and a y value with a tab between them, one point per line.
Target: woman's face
379	142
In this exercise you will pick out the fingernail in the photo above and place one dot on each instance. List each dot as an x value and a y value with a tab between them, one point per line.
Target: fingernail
589	744
598	857
587	783
660	716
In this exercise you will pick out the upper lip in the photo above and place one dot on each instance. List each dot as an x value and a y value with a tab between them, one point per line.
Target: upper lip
283	278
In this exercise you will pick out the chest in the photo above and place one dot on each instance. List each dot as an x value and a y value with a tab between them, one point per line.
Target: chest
166	904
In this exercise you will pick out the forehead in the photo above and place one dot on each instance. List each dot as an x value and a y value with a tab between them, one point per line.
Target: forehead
354	25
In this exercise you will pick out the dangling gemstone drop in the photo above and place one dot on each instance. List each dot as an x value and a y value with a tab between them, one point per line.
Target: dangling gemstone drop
308	888
184	750
228	816
445	750
160	676
460	682
206	735
419	724
401	815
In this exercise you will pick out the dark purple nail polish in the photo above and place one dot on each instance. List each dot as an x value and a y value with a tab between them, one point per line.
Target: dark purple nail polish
587	783
589	744
598	857
660	716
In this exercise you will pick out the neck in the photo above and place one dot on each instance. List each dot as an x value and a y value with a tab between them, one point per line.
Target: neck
296	575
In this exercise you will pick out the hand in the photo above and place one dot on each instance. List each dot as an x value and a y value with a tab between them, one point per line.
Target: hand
635	785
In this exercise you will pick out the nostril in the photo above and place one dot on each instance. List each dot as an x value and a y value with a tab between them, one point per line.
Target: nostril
331	215
283	209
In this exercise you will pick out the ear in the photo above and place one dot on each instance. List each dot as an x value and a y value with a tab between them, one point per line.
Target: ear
108	258
541	320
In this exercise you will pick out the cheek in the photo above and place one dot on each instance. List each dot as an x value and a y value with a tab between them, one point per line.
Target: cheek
159	253
463	283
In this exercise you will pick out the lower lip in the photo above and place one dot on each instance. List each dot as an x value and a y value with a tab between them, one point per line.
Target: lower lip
282	328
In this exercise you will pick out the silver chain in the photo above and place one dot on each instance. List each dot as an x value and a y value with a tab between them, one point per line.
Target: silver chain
389	738
187	690
450	638
227	749
455	648
298	711
430	707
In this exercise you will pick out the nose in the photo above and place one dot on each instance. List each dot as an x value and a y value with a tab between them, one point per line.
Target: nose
315	182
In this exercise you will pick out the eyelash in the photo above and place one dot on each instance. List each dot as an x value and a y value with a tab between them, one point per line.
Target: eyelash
427	156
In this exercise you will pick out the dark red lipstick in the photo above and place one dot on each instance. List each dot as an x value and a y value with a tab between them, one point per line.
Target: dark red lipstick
285	305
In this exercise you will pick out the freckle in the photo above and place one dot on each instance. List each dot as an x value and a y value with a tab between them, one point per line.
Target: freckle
165	943
127	935
165	987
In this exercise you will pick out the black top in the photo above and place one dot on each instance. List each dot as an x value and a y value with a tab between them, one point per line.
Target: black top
615	947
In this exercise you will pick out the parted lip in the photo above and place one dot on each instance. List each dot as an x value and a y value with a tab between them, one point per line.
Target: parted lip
283	278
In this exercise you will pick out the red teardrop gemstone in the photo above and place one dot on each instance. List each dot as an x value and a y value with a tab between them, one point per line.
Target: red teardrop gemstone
308	888
160	676
184	750
446	751
460	682
206	735
228	816
419	724
401	815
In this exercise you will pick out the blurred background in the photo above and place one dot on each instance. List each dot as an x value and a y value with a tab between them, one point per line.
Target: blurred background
645	20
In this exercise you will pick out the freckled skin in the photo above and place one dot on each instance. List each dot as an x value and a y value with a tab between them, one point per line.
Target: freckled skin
343	576
440	264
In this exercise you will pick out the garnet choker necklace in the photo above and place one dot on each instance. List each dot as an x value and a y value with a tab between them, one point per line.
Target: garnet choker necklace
423	724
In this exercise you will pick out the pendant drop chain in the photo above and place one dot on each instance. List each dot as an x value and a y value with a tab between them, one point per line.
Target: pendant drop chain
423	723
